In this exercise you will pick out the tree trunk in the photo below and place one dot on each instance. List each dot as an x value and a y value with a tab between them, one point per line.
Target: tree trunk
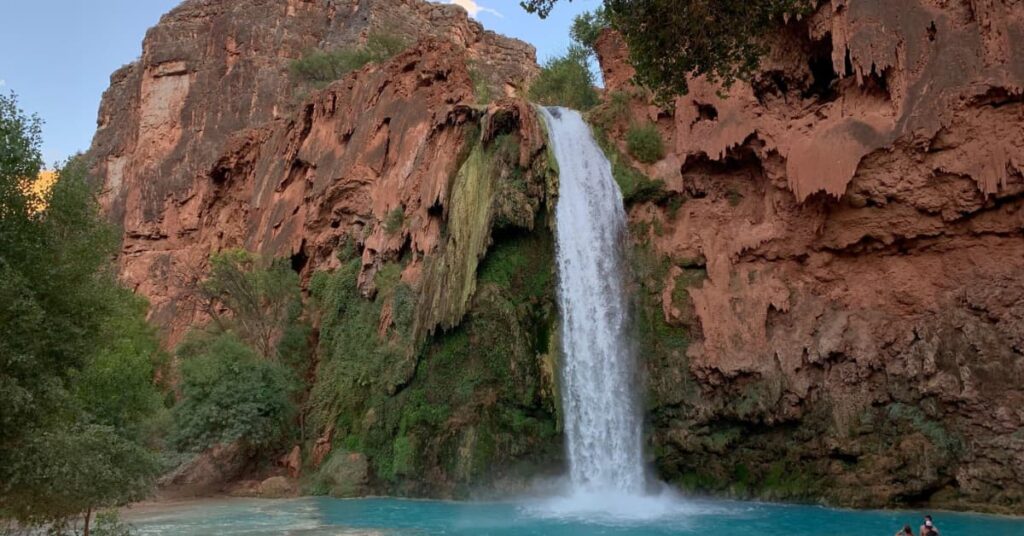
88	516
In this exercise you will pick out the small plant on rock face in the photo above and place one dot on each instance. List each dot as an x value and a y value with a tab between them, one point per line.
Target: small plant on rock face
394	221
644	143
321	67
613	110
481	89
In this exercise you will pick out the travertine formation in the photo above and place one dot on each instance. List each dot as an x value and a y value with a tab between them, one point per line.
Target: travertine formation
208	142
842	239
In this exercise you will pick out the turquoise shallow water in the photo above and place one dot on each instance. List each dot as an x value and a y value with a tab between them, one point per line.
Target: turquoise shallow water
323	516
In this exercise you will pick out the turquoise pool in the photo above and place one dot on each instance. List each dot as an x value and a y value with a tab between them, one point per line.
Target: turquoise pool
324	516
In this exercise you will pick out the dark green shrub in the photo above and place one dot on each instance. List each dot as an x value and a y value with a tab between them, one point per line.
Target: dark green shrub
230	394
566	81
321	67
634	185
644	143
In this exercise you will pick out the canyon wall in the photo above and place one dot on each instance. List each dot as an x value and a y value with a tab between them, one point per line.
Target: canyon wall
409	207
828	259
209	142
830	288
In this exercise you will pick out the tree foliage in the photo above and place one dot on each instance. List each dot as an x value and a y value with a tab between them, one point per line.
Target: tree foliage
587	27
671	40
566	81
230	394
76	359
116	387
64	471
257	294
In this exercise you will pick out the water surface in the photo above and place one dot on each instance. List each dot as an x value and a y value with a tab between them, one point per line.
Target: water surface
324	516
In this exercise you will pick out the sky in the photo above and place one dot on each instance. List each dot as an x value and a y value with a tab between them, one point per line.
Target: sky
58	55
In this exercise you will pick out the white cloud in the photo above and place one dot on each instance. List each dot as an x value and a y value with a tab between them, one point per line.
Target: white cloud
3	82
474	8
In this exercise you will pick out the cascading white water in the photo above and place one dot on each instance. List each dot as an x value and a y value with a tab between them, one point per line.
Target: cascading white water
602	421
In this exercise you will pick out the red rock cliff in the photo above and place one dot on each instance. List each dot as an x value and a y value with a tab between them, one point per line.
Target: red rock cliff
207	142
841	247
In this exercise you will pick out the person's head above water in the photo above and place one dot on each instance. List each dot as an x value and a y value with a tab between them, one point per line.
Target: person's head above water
907	530
928	521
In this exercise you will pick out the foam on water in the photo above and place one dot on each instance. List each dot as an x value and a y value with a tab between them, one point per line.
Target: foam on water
613	508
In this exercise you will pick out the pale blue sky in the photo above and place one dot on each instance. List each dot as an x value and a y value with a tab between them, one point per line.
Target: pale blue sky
58	54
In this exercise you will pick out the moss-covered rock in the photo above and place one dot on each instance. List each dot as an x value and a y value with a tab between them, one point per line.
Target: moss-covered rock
448	385
343	474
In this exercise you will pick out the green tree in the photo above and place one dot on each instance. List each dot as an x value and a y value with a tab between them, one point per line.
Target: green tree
116	386
66	471
587	27
566	81
63	450
230	394
670	40
259	296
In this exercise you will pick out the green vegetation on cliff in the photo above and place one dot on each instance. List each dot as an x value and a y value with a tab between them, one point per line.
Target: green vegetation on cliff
433	410
644	142
321	67
259	296
77	360
566	81
636	187
240	374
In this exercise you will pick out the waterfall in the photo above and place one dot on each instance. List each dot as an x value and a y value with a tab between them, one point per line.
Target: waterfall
603	427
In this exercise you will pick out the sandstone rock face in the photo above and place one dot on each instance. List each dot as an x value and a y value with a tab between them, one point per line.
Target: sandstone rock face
387	189
838	262
207	141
